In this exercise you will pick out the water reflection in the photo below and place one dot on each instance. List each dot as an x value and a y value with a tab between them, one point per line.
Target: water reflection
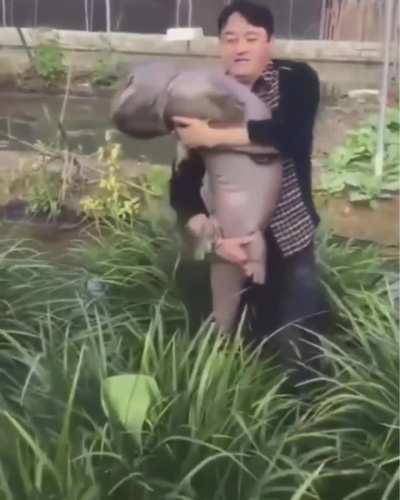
31	118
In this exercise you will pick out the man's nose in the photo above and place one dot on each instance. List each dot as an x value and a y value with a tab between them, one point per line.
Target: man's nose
241	46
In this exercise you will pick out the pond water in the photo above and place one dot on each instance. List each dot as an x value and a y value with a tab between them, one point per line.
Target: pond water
31	117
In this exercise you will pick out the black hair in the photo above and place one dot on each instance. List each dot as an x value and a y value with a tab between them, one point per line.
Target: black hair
257	15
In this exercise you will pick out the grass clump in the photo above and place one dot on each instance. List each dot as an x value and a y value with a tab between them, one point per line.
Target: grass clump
219	424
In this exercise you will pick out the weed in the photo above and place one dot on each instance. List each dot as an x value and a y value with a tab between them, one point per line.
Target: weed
49	63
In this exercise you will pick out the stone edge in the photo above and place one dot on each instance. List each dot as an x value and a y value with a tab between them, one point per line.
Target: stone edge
310	50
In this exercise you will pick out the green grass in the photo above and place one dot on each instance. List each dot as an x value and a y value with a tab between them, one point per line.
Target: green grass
223	426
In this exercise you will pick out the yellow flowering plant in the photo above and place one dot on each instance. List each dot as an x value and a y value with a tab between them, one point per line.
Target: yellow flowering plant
114	198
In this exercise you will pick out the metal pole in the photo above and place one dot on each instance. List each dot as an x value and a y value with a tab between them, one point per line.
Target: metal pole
190	13
290	18
3	4
86	6
177	13
384	89
322	20
108	15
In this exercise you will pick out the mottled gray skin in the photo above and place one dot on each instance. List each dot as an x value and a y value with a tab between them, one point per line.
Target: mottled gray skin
241	186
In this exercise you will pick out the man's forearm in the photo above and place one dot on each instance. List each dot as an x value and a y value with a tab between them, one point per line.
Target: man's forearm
237	139
228	137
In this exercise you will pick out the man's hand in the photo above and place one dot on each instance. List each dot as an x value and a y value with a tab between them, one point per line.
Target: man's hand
231	249
201	226
194	133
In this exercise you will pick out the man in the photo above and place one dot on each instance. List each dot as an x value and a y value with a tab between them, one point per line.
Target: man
291	304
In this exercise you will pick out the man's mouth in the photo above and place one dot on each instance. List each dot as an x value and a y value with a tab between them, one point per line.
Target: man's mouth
241	60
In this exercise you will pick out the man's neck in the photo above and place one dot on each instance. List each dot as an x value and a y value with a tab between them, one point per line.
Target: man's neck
250	81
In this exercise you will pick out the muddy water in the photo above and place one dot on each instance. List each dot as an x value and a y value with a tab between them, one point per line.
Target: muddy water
33	118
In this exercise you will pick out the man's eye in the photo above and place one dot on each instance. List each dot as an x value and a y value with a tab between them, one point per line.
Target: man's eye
252	39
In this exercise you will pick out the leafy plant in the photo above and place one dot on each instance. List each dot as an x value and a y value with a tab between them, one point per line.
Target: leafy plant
120	198
349	170
114	198
128	398
104	73
156	181
45	197
40	187
49	62
47	183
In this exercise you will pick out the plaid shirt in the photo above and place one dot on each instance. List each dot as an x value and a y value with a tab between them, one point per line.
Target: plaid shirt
292	225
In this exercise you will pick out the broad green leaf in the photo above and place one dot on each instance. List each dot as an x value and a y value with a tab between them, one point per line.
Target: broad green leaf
391	186
357	196
353	179
129	397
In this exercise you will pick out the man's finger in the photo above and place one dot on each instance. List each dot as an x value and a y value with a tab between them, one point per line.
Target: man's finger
182	120
236	258
245	240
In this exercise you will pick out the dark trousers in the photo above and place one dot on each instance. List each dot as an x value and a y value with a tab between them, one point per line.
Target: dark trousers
282	313
290	312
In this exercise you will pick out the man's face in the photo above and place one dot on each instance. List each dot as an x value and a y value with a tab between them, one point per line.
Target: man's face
245	49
